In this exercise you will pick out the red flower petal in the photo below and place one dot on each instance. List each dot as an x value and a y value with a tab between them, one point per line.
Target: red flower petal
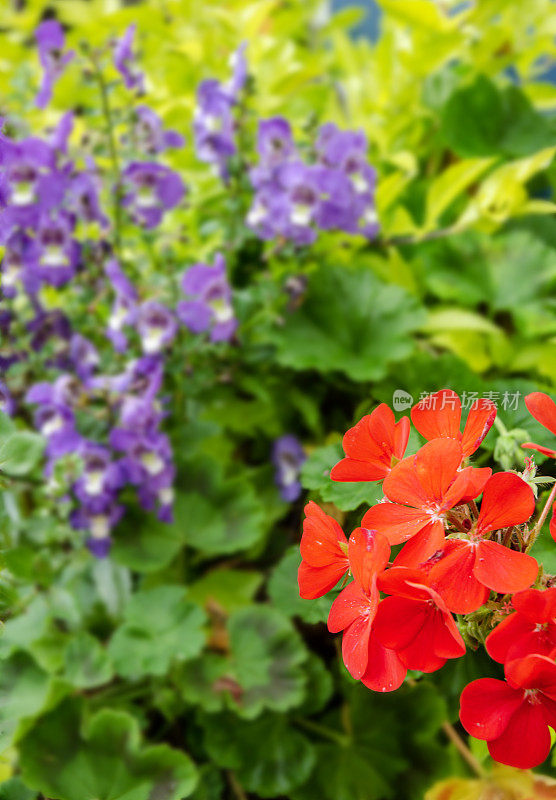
476	480
533	672
453	578
546	451
355	646
422	546
397	523
479	421
486	707
543	408
385	672
436	466
322	536
438	416
512	635
504	570
448	641
403	582
368	552
317	581
552	524
535	605
402	485
507	500
350	604
370	445
525	743
398	621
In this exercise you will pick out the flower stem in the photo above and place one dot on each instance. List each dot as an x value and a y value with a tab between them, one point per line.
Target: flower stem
112	149
540	522
463	750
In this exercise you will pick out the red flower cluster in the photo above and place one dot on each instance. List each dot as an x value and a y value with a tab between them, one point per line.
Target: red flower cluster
397	612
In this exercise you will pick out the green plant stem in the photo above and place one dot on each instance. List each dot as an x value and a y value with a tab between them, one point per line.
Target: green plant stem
236	786
462	749
112	149
322	730
540	522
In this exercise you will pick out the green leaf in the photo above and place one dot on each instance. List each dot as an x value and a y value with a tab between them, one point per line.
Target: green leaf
144	544
25	690
160	626
315	475
268	756
350	322
283	591
102	760
481	120
267	658
7	427
220	514
229	588
15	789
20	452
86	662
344	773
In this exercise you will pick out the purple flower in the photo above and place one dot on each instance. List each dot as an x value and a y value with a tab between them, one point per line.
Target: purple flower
98	522
50	39
124	307
101	476
57	425
151	189
66	391
213	126
288	457
7	403
57	253
48	324
156	326
210	308
83	199
238	64
125	61
83	355
274	145
17	265
151	137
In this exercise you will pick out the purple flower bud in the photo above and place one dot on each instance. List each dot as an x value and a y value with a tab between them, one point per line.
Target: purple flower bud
238	64
61	133
210	308
125	61
288	457
50	40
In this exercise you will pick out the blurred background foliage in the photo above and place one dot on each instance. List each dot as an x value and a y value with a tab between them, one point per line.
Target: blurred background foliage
185	665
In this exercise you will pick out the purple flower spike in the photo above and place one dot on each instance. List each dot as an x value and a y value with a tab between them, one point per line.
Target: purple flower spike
125	61
210	308
213	126
156	326
50	40
288	457
152	189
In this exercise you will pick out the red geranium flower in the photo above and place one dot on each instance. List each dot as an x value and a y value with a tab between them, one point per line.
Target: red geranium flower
470	567
422	488
438	416
415	622
353	611
552	524
371	446
531	629
513	717
543	408
324	553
